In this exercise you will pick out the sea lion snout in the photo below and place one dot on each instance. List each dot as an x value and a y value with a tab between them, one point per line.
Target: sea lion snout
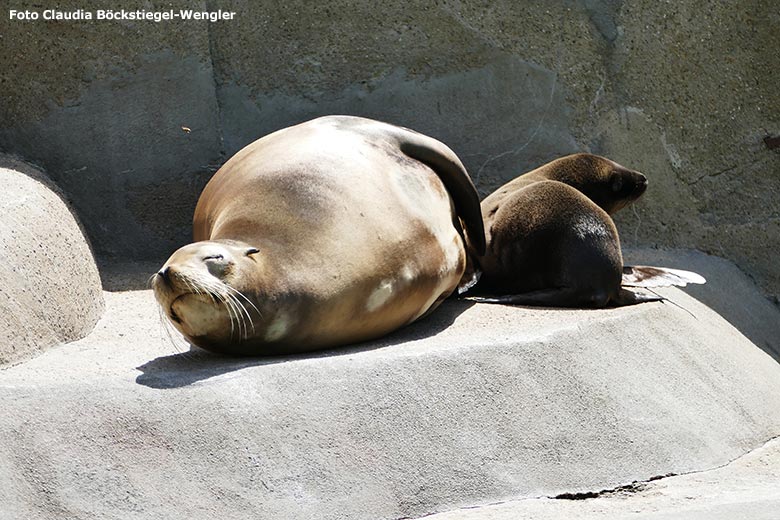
641	187
195	289
640	182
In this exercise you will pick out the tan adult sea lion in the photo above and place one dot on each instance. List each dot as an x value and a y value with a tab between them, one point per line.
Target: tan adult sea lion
330	232
551	240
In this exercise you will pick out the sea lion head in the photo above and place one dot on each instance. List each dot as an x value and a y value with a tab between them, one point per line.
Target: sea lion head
202	290
607	183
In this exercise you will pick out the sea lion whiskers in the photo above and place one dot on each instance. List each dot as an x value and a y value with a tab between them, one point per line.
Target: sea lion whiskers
239	293
232	314
198	286
220	293
234	293
243	315
214	291
230	304
230	299
166	326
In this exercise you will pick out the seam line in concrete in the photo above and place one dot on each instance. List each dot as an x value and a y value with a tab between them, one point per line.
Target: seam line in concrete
215	83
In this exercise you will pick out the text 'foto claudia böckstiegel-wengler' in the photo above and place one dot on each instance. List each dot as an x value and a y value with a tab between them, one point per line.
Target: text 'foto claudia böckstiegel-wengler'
120	15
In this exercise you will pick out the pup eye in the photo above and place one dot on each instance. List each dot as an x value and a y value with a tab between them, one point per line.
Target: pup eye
251	251
617	183
213	257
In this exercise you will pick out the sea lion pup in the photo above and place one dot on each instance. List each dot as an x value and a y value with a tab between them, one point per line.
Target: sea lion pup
551	240
330	232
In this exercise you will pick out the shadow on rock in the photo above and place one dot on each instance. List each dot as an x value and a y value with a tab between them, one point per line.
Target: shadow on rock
186	368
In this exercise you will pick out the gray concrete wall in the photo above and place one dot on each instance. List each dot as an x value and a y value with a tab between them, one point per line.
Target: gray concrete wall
683	91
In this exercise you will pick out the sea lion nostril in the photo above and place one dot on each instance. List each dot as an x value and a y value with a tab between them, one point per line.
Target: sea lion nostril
164	273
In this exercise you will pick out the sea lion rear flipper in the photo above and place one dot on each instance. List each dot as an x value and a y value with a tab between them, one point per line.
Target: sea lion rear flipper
455	178
626	297
557	297
649	276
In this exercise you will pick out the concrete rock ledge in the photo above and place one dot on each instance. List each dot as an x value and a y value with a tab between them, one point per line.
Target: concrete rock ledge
476	404
50	291
748	487
729	292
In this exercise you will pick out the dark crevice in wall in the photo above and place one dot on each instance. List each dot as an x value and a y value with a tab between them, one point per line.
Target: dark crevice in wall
626	489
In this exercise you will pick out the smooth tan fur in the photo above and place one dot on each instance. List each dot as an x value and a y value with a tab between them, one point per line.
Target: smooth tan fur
354	238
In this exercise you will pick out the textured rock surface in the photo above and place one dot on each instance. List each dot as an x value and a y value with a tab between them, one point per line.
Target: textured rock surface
747	488
473	405
728	291
102	106
50	290
683	91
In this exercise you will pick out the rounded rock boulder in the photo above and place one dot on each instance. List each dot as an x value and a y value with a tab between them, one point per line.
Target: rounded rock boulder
49	282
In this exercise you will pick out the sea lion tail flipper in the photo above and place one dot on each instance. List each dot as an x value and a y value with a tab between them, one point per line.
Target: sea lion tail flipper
649	276
455	179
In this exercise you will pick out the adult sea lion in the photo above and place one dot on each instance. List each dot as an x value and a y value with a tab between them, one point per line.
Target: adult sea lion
330	232
551	240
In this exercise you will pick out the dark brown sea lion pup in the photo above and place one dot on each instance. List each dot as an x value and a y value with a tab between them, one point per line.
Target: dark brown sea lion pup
331	232
551	240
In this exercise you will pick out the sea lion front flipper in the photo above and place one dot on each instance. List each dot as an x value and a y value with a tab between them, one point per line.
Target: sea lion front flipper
649	276
469	279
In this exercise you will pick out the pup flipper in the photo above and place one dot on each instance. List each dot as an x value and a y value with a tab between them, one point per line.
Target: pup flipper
556	297
626	297
649	276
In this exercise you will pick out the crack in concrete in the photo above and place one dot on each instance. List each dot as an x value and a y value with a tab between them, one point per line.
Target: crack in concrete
625	489
641	485
724	170
542	119
636	486
592	107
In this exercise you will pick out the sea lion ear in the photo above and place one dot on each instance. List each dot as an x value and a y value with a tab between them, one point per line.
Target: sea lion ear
251	251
